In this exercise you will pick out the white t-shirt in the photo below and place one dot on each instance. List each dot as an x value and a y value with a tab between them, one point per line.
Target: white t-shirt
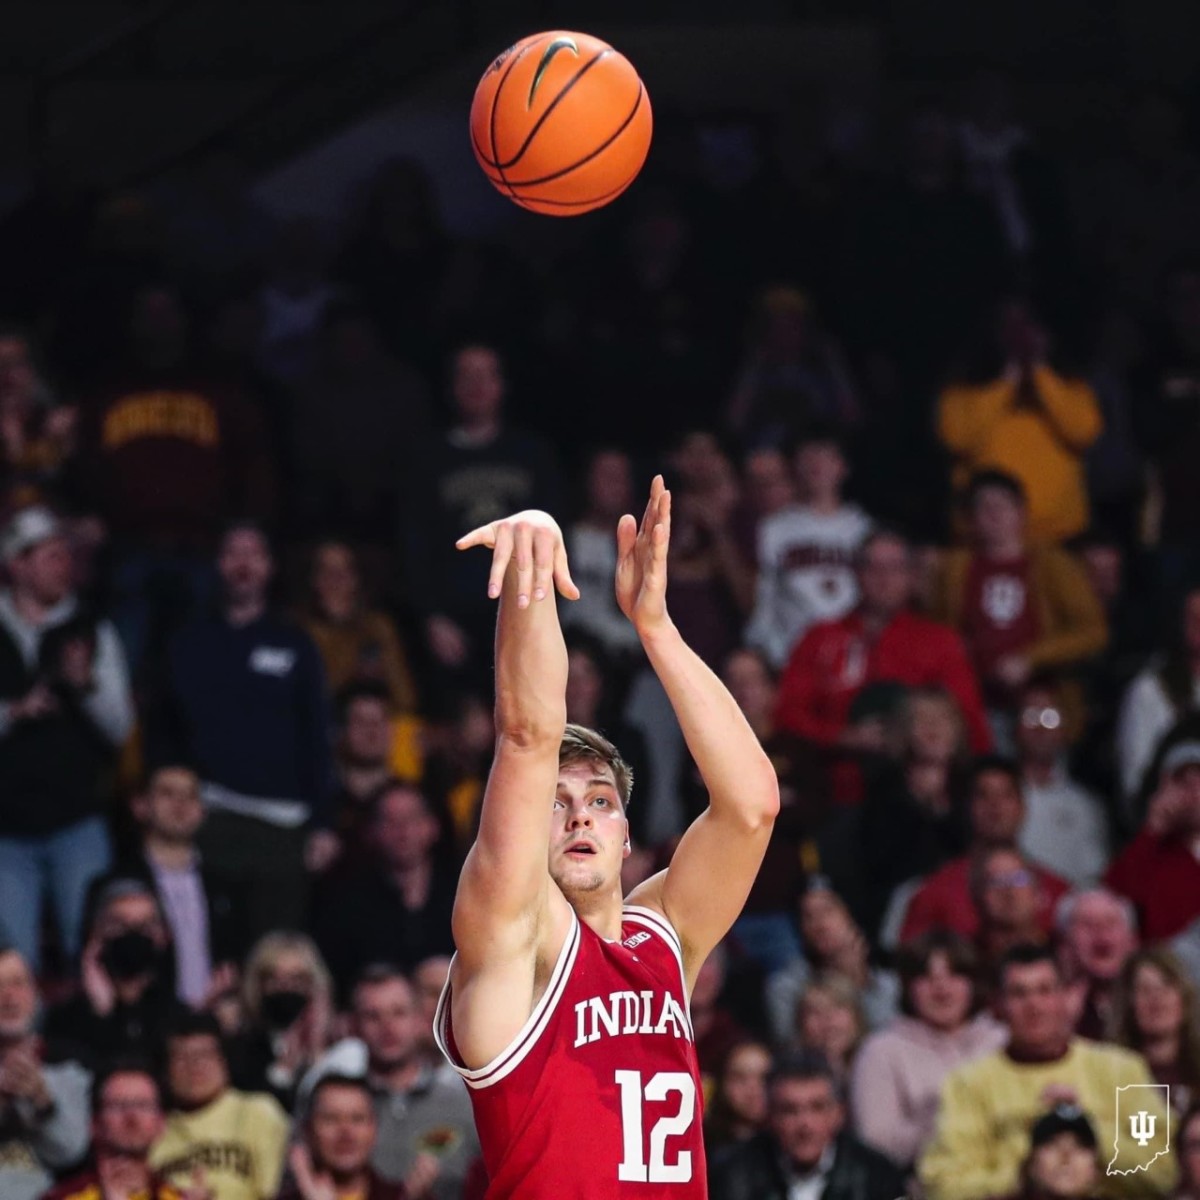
805	574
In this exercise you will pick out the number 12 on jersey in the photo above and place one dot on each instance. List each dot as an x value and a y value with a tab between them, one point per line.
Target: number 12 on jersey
633	1167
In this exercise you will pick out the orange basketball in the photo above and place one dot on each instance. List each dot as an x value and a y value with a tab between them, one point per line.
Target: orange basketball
561	123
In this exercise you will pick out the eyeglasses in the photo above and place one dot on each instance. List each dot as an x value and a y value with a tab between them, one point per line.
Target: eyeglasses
1014	879
1041	718
131	1106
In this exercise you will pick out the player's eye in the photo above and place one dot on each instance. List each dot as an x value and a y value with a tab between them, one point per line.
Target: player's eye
600	800
558	803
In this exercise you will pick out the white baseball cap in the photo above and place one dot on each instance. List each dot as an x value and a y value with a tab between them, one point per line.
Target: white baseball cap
1185	754
28	528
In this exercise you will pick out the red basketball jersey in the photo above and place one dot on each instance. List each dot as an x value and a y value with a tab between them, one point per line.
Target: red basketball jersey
599	1095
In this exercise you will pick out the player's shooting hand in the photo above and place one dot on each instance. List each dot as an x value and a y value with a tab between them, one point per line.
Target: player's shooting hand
641	581
533	542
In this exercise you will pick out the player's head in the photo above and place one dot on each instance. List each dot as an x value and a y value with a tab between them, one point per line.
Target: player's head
589	834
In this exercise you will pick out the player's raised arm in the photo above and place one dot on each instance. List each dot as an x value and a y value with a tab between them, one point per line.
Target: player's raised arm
503	890
706	885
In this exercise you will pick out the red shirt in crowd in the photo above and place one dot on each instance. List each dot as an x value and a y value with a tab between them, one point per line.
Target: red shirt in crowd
835	660
1161	876
944	901
998	616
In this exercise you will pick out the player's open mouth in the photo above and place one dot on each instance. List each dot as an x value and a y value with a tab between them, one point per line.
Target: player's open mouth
581	849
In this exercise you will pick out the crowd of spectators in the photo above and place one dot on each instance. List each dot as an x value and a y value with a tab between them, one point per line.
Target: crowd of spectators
930	408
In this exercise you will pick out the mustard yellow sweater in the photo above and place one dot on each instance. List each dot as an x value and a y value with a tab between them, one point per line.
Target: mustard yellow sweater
1042	446
987	1107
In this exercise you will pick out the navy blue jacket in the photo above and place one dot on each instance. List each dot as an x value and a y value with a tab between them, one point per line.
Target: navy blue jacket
248	708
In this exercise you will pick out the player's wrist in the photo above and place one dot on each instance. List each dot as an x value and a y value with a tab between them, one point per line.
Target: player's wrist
656	632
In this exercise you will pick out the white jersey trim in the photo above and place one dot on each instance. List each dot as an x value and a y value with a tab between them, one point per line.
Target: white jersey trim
650	919
512	1055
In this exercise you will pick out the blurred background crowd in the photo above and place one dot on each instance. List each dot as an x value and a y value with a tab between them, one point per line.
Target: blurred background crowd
928	397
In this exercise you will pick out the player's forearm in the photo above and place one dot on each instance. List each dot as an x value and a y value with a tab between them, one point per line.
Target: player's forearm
531	669
735	769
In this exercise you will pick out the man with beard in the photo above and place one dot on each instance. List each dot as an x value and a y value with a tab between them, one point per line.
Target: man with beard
426	1133
247	704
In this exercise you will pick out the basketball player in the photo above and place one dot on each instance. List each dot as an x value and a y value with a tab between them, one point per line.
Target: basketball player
566	1010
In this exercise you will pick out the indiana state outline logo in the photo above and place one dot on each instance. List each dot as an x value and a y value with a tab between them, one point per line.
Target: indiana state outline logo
1143	1127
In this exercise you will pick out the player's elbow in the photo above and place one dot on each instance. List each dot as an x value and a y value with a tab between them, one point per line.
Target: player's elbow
530	727
758	803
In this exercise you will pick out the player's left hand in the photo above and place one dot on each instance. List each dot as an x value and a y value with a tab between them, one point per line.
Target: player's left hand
532	540
641	581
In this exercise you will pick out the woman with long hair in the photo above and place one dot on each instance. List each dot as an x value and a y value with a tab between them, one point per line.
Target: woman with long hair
830	1020
1156	1013
357	643
898	1074
287	997
738	1109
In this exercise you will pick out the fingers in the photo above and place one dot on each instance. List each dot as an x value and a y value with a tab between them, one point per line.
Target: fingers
544	543
656	488
523	552
485	535
627	535
501	554
562	574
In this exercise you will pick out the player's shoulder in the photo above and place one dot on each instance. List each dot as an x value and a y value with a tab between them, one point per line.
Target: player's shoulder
647	918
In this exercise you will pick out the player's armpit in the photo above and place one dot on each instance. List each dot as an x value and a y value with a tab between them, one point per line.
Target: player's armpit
704	889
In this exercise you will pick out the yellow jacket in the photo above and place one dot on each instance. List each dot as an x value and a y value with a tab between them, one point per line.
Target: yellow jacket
987	1108
1071	623
1042	446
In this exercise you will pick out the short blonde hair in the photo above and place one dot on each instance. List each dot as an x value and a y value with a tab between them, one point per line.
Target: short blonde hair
266	953
582	745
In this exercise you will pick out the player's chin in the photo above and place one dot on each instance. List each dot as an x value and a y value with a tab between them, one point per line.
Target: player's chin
577	877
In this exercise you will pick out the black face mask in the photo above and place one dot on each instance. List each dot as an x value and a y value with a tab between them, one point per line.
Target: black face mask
281	1010
129	955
